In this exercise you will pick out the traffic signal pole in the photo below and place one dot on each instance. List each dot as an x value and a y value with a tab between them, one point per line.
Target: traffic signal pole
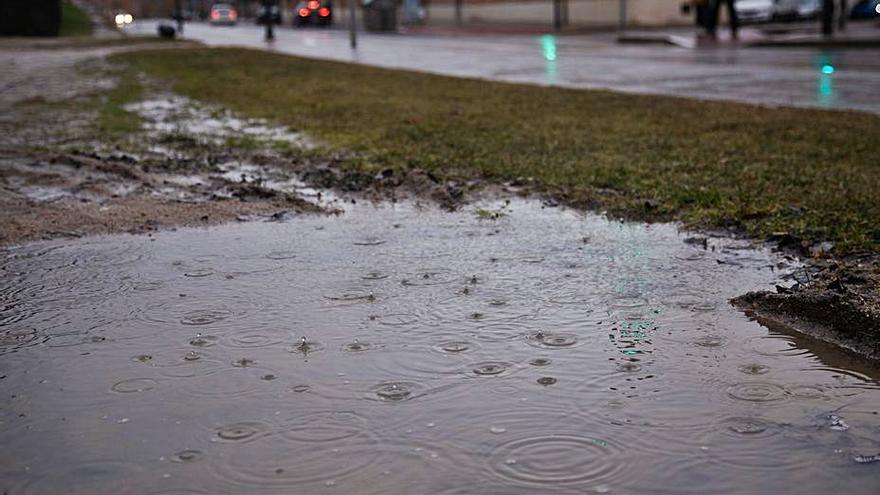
827	17
178	16
352	32
557	15
270	21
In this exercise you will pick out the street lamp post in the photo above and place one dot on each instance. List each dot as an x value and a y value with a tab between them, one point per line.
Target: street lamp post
178	16
352	31
269	19
827	17
557	15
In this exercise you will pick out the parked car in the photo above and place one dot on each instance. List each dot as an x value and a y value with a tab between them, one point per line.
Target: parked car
754	11
313	12
273	14
785	10
866	9
751	11
223	14
809	9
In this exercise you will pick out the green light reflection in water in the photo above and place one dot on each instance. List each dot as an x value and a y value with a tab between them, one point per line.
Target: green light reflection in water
548	45
825	94
548	50
633	331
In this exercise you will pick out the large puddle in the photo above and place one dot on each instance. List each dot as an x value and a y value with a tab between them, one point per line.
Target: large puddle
395	349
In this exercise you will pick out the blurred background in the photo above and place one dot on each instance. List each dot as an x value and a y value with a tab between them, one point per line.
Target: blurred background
42	17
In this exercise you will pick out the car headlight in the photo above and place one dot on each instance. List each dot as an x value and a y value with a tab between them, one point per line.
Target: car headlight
120	19
128	18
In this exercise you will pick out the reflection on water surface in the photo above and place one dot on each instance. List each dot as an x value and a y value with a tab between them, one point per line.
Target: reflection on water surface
401	350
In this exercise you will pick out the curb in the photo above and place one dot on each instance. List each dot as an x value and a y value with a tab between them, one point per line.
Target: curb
691	42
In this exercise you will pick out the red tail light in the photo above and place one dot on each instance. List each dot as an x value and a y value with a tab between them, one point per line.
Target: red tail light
314	4
233	14
303	12
215	14
324	12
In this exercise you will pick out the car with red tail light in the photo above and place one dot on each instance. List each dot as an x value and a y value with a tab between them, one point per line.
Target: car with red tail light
313	13
223	14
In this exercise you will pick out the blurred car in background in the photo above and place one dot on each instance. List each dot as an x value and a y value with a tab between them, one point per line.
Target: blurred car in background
122	19
752	11
313	12
755	11
785	10
223	14
866	9
809	9
272	14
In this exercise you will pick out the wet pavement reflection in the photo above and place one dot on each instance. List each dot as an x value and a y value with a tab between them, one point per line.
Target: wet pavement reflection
769	76
401	349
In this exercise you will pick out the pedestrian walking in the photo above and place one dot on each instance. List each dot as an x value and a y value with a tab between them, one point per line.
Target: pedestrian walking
712	24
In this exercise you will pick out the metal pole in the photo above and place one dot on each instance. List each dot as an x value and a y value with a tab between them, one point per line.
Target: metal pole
267	12
622	15
557	15
352	32
458	11
827	17
178	15
841	25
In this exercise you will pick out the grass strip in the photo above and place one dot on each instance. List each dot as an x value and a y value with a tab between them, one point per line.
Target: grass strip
812	173
74	21
114	121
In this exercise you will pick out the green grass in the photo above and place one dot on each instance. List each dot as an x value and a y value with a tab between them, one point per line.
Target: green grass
114	122
74	21
813	173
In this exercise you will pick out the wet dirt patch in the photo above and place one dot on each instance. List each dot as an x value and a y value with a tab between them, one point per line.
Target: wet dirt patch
63	175
190	164
171	117
838	302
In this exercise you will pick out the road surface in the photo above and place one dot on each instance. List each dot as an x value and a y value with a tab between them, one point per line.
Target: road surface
809	77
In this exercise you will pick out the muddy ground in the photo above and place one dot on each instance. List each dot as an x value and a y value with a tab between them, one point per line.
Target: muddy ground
61	175
834	300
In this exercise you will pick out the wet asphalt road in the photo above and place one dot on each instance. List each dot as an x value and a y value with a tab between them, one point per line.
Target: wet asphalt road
809	77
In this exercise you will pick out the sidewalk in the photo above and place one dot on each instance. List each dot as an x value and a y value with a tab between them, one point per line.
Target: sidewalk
857	34
791	34
477	29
